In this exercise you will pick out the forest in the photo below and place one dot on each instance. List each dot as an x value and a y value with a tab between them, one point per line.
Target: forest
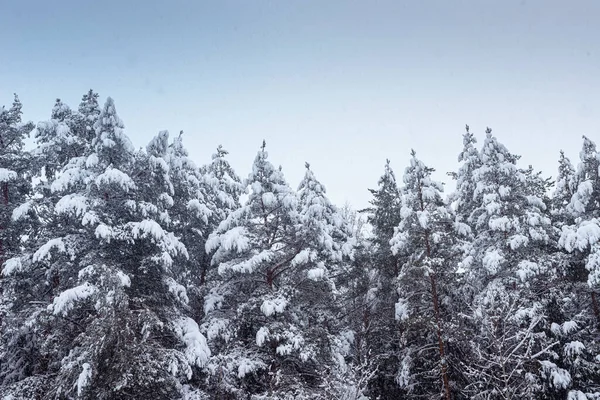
136	274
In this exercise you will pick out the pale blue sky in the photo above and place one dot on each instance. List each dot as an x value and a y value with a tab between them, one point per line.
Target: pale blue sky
341	84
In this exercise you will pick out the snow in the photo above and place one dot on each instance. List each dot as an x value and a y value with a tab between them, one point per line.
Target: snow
462	229
262	335
273	306
248	266
502	224
177	290
7	175
536	202
92	160
217	328
423	217
113	176
197	351
67	299
247	366
12	265
301	258
315	274
21	211
269	199
561	379
200	209
555	328
518	241
84	378
504	191
212	300
124	279
67	179
44	252
527	269
492	261
429	193
72	204
586	234
569	326
574	348
104	232
235	239
90	218
401	310
576	395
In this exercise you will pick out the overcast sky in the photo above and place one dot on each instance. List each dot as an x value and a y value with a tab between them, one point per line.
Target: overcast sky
341	84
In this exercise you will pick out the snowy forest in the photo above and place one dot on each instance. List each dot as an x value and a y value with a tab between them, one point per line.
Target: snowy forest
136	274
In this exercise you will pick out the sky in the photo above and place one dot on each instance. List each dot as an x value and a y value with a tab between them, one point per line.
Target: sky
344	85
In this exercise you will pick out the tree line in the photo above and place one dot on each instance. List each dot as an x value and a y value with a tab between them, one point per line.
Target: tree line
136	274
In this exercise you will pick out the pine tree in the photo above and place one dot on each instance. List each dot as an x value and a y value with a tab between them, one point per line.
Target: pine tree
565	188
267	317
464	196
222	188
112	322
376	270
504	268
424	238
15	165
579	317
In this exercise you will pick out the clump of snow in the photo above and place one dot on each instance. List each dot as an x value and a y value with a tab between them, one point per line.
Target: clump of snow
12	265
587	234
212	301
200	209
492	261
247	366
401	310
104	232
315	274
517	241
197	351
502	224
21	211
273	306
561	378
527	269
84	378
301	258
569	326
235	239
177	290
113	176
43	253
217	328
67	299
249	265
555	328
72	204
124	279
7	175
262	335
423	217
574	348
576	395
92	160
